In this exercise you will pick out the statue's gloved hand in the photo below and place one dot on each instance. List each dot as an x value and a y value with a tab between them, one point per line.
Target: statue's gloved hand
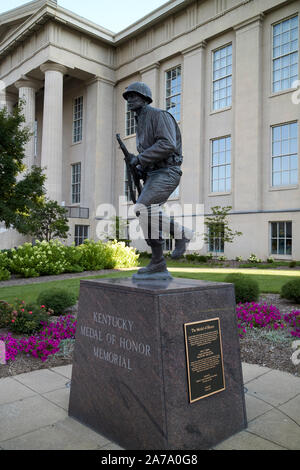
134	161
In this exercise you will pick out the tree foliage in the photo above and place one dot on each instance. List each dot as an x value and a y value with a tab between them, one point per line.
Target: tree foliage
45	221
218	225
20	188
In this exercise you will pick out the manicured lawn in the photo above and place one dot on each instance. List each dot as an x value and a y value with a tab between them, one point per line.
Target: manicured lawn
30	292
270	281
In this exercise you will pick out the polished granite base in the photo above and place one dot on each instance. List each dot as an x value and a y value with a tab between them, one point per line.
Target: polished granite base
130	373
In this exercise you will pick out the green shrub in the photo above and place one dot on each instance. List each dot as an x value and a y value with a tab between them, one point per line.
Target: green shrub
292	264
58	300
120	255
4	274
246	289
22	318
291	290
270	259
202	258
42	258
5	313
254	259
191	257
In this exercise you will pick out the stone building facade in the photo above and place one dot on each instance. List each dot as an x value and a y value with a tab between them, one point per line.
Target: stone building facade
227	69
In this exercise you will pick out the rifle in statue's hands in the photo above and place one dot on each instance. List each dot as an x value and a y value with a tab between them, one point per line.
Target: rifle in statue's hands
132	171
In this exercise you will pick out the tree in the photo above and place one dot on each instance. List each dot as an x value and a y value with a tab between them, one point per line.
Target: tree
45	221
17	197
218	227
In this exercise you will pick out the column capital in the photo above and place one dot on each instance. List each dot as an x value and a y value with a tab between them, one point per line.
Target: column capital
154	66
51	66
200	46
258	19
26	82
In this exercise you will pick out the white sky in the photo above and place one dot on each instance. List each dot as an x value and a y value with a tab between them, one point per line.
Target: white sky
114	15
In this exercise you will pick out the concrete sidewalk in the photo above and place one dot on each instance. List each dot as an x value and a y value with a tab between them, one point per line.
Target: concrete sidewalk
33	413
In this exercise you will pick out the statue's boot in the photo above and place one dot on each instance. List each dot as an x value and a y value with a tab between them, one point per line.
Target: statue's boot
157	264
180	248
183	236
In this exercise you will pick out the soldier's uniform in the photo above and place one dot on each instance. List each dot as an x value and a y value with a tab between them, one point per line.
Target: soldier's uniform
158	141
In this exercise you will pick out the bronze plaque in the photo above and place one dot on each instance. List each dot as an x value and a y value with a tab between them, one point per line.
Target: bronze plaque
204	357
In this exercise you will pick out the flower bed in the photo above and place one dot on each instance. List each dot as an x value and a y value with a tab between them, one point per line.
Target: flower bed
43	344
255	315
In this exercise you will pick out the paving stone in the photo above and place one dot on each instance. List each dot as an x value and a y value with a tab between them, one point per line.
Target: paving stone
246	441
11	390
252	371
66	434
276	387
27	415
43	380
292	409
66	371
59	397
255	407
278	428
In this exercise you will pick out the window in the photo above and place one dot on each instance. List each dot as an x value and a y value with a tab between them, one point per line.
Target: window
285	154
81	234
285	54
221	165
77	119
222	77
130	121
126	186
173	92
216	238
281	238
76	183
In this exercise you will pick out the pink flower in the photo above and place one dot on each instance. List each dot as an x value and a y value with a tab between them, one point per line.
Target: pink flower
22	309
30	313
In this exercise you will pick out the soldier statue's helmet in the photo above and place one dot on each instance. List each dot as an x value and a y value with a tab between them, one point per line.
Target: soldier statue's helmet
141	89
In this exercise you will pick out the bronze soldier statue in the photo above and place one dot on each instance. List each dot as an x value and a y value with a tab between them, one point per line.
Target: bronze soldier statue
159	158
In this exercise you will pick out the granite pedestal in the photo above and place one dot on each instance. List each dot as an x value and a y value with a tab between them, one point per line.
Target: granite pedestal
131	377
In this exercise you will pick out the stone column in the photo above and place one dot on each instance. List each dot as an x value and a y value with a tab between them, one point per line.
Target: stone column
193	123
11	100
150	76
51	157
99	143
27	89
248	113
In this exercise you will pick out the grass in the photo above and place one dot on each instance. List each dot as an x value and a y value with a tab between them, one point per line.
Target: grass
270	281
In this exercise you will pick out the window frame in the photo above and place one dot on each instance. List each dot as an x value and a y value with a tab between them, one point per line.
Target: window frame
289	185
81	236
282	90
77	120
228	106
278	238
175	115
129	115
213	240
75	184
226	191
